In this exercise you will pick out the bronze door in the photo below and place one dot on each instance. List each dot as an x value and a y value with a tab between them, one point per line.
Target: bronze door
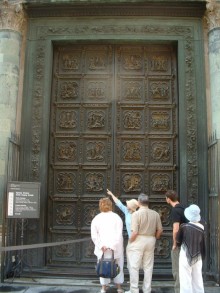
113	125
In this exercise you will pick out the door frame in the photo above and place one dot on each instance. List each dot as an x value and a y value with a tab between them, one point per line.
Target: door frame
44	33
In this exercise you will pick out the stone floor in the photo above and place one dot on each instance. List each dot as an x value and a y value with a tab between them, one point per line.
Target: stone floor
60	285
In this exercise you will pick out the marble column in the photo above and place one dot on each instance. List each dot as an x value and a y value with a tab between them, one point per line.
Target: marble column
213	21
12	30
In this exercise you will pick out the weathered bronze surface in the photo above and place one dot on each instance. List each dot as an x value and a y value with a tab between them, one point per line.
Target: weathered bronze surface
113	125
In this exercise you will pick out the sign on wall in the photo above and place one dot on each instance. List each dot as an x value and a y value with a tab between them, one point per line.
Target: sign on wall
23	200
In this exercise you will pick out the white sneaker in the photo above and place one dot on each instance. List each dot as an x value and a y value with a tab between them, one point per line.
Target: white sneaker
128	291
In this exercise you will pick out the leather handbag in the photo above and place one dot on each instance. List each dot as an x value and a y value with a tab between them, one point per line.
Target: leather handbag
107	267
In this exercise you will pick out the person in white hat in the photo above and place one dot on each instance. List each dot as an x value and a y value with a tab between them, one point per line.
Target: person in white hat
191	238
128	209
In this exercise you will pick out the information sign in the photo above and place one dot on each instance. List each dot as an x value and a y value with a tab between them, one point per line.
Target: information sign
23	200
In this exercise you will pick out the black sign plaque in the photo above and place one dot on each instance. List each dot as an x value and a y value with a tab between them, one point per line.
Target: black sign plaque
23	200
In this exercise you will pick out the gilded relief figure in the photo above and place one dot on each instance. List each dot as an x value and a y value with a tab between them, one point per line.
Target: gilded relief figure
132	91
160	182
64	214
65	182
94	182
95	119
96	91
132	62
132	151
160	120
97	62
132	182
132	119
159	90
94	151
66	151
159	63
67	119
160	152
71	62
69	90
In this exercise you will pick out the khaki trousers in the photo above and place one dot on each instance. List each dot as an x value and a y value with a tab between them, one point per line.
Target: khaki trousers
140	253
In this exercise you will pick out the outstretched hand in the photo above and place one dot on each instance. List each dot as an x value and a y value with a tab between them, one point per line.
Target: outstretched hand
109	192
112	195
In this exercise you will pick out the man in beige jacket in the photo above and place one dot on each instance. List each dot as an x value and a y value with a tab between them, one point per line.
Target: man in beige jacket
146	227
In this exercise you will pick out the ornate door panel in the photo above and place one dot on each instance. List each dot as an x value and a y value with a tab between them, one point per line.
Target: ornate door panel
113	125
145	120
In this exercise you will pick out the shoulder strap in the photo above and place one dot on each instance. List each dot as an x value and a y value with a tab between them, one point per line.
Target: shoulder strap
112	251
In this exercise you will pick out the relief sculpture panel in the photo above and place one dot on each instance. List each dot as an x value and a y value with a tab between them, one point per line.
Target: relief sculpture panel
70	62
96	119
132	151
161	152
159	91
132	90
67	118
95	151
132	120
69	90
66	151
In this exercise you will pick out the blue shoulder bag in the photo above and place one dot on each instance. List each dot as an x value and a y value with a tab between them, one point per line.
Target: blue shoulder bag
107	267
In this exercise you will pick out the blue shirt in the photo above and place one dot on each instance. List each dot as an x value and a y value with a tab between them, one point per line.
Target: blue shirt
127	214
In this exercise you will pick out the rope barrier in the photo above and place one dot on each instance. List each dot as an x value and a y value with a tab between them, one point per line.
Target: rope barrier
40	245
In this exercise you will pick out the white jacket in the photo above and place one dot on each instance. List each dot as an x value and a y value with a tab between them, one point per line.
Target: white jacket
106	230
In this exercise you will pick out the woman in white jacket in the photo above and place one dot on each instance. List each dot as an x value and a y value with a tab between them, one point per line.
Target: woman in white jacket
106	232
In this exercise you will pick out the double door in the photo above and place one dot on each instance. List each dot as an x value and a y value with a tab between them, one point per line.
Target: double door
113	125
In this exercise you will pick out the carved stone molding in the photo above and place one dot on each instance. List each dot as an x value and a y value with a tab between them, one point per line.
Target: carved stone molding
212	16
12	16
107	8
